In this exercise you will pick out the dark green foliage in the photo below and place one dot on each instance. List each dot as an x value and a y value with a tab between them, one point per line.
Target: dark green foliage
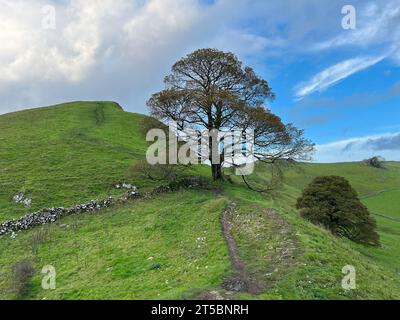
155	266
332	202
376	162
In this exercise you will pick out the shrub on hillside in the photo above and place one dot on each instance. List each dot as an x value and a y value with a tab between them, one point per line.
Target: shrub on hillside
376	162
158	172
332	202
22	273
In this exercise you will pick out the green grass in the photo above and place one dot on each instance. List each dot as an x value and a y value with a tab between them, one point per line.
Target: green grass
386	209
364	179
143	250
316	272
379	189
148	248
65	154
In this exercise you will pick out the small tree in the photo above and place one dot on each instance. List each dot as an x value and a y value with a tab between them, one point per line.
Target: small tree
209	89
332	202
376	162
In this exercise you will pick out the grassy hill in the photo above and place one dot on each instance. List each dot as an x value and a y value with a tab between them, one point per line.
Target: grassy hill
65	154
175	245
379	190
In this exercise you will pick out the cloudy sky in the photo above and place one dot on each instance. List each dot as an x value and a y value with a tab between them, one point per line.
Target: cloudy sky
341	85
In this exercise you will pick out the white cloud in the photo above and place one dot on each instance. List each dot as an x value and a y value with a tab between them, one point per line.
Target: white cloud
36	54
375	25
386	145
107	50
121	49
334	74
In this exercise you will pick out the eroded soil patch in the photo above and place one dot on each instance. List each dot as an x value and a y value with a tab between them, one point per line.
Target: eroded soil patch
262	246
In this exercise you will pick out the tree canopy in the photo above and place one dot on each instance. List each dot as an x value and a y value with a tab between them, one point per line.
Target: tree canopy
210	89
332	202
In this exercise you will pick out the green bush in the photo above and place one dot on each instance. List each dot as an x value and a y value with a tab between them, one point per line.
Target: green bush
330	201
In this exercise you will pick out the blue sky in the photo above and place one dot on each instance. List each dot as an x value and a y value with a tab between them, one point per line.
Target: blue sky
363	103
341	86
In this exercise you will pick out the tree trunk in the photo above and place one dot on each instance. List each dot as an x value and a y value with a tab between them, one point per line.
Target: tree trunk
214	156
216	170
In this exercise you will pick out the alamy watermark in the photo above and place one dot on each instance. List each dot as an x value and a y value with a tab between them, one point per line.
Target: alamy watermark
349	280
349	21
232	148
49	17
49	279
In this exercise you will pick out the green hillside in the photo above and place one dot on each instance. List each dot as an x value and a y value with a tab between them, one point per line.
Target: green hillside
144	250
386	208
379	190
65	154
174	245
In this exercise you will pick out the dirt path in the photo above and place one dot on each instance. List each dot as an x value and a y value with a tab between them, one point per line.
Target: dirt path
271	234
241	281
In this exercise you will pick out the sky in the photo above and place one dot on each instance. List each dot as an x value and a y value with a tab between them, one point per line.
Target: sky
341	85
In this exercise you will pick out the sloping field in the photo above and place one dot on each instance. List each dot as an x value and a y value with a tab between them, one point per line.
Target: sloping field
179	244
66	154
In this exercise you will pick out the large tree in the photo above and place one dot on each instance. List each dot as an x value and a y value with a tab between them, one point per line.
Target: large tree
210	89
